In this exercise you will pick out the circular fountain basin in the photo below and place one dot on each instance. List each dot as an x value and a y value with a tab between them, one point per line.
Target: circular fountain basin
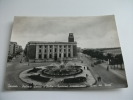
62	72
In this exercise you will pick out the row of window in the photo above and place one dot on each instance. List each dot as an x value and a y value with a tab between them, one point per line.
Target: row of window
55	50
50	56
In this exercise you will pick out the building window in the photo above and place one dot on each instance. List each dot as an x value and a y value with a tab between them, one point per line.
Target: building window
55	50
50	46
40	46
45	56
40	51
45	50
40	56
64	55
69	55
50	56
50	51
59	55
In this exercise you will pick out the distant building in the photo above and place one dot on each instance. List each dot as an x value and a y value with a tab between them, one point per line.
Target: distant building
14	48
79	49
19	49
41	51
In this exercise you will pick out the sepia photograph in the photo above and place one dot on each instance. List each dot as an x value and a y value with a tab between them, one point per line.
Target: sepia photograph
54	53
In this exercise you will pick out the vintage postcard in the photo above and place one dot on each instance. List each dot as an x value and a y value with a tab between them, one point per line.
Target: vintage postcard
50	53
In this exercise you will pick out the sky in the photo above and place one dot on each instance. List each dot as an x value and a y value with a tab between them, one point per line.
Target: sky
89	32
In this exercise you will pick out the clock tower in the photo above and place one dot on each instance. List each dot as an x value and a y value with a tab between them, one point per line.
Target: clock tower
70	37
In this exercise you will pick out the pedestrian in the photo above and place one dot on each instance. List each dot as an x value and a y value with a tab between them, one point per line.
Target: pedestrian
107	68
32	85
114	67
21	60
86	75
38	74
68	85
92	65
99	79
29	85
88	68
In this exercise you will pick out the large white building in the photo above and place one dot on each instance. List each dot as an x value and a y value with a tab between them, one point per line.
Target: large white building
42	51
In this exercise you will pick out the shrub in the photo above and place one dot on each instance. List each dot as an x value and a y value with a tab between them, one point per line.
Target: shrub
74	80
34	70
39	78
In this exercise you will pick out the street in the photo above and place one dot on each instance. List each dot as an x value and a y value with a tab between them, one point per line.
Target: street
107	76
14	68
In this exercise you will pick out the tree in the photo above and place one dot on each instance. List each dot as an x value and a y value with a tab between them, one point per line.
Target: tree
119	59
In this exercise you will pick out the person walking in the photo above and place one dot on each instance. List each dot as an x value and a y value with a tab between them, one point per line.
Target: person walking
99	79
107	68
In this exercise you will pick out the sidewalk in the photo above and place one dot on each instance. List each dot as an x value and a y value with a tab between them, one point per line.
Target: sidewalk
120	73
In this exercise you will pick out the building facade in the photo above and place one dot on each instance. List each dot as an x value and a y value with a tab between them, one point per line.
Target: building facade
14	48
42	51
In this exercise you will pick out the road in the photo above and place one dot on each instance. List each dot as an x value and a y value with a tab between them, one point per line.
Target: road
14	68
12	72
107	76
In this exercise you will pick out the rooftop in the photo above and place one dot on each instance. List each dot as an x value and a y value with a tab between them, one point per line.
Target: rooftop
43	42
13	42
